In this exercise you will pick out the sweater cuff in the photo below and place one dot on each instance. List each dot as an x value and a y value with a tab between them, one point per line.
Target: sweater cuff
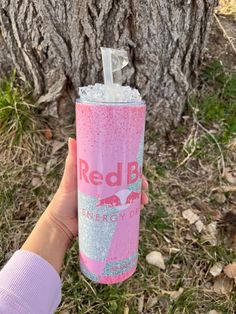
33	280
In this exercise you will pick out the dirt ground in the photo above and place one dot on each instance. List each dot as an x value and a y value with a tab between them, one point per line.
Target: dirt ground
222	41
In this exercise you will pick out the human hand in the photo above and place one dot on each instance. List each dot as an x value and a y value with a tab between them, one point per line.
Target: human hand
63	208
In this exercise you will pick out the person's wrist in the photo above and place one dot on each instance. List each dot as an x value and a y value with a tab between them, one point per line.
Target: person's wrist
63	232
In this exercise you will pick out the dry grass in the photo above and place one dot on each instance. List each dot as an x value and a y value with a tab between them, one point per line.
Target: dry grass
183	175
227	7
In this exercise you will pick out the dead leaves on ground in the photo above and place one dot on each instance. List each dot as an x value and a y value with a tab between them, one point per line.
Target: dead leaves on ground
225	222
220	198
156	259
190	216
152	300
216	269
223	284
230	271
174	295
210	235
209	230
230	175
225	277
193	219
48	134
228	226
207	210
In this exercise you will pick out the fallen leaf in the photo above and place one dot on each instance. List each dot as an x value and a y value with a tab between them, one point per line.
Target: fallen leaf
219	198
190	216
40	169
51	163
216	269
216	215
228	225
126	309
48	134
173	250
229	175
155	258
199	225
36	182
202	206
174	294
151	302
176	266
207	285
230	270
223	284
211	233
141	304
56	146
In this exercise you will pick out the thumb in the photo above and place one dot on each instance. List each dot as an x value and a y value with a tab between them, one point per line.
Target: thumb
69	179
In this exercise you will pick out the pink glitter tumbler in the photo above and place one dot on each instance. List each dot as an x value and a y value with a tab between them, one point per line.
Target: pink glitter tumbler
110	138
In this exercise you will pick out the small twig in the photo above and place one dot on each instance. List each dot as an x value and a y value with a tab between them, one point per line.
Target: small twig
225	33
215	140
225	189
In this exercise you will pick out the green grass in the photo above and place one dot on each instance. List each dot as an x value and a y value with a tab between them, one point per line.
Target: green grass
221	253
159	220
193	301
17	112
186	303
219	104
215	109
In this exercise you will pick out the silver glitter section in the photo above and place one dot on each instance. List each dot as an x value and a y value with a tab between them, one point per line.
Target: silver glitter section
95	235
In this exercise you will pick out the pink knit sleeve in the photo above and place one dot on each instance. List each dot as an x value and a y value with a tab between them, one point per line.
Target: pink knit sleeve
29	285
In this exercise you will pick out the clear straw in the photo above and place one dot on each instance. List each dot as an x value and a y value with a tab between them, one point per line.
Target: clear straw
107	66
113	60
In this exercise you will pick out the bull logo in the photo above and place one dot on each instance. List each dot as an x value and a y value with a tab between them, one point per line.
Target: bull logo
111	201
132	197
121	200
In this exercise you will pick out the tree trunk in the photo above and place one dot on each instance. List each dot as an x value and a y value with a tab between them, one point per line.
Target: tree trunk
55	44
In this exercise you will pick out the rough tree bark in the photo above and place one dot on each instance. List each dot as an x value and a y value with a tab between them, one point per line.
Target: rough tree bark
55	45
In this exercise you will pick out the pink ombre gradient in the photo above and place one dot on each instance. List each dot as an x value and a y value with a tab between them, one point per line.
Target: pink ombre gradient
107	135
